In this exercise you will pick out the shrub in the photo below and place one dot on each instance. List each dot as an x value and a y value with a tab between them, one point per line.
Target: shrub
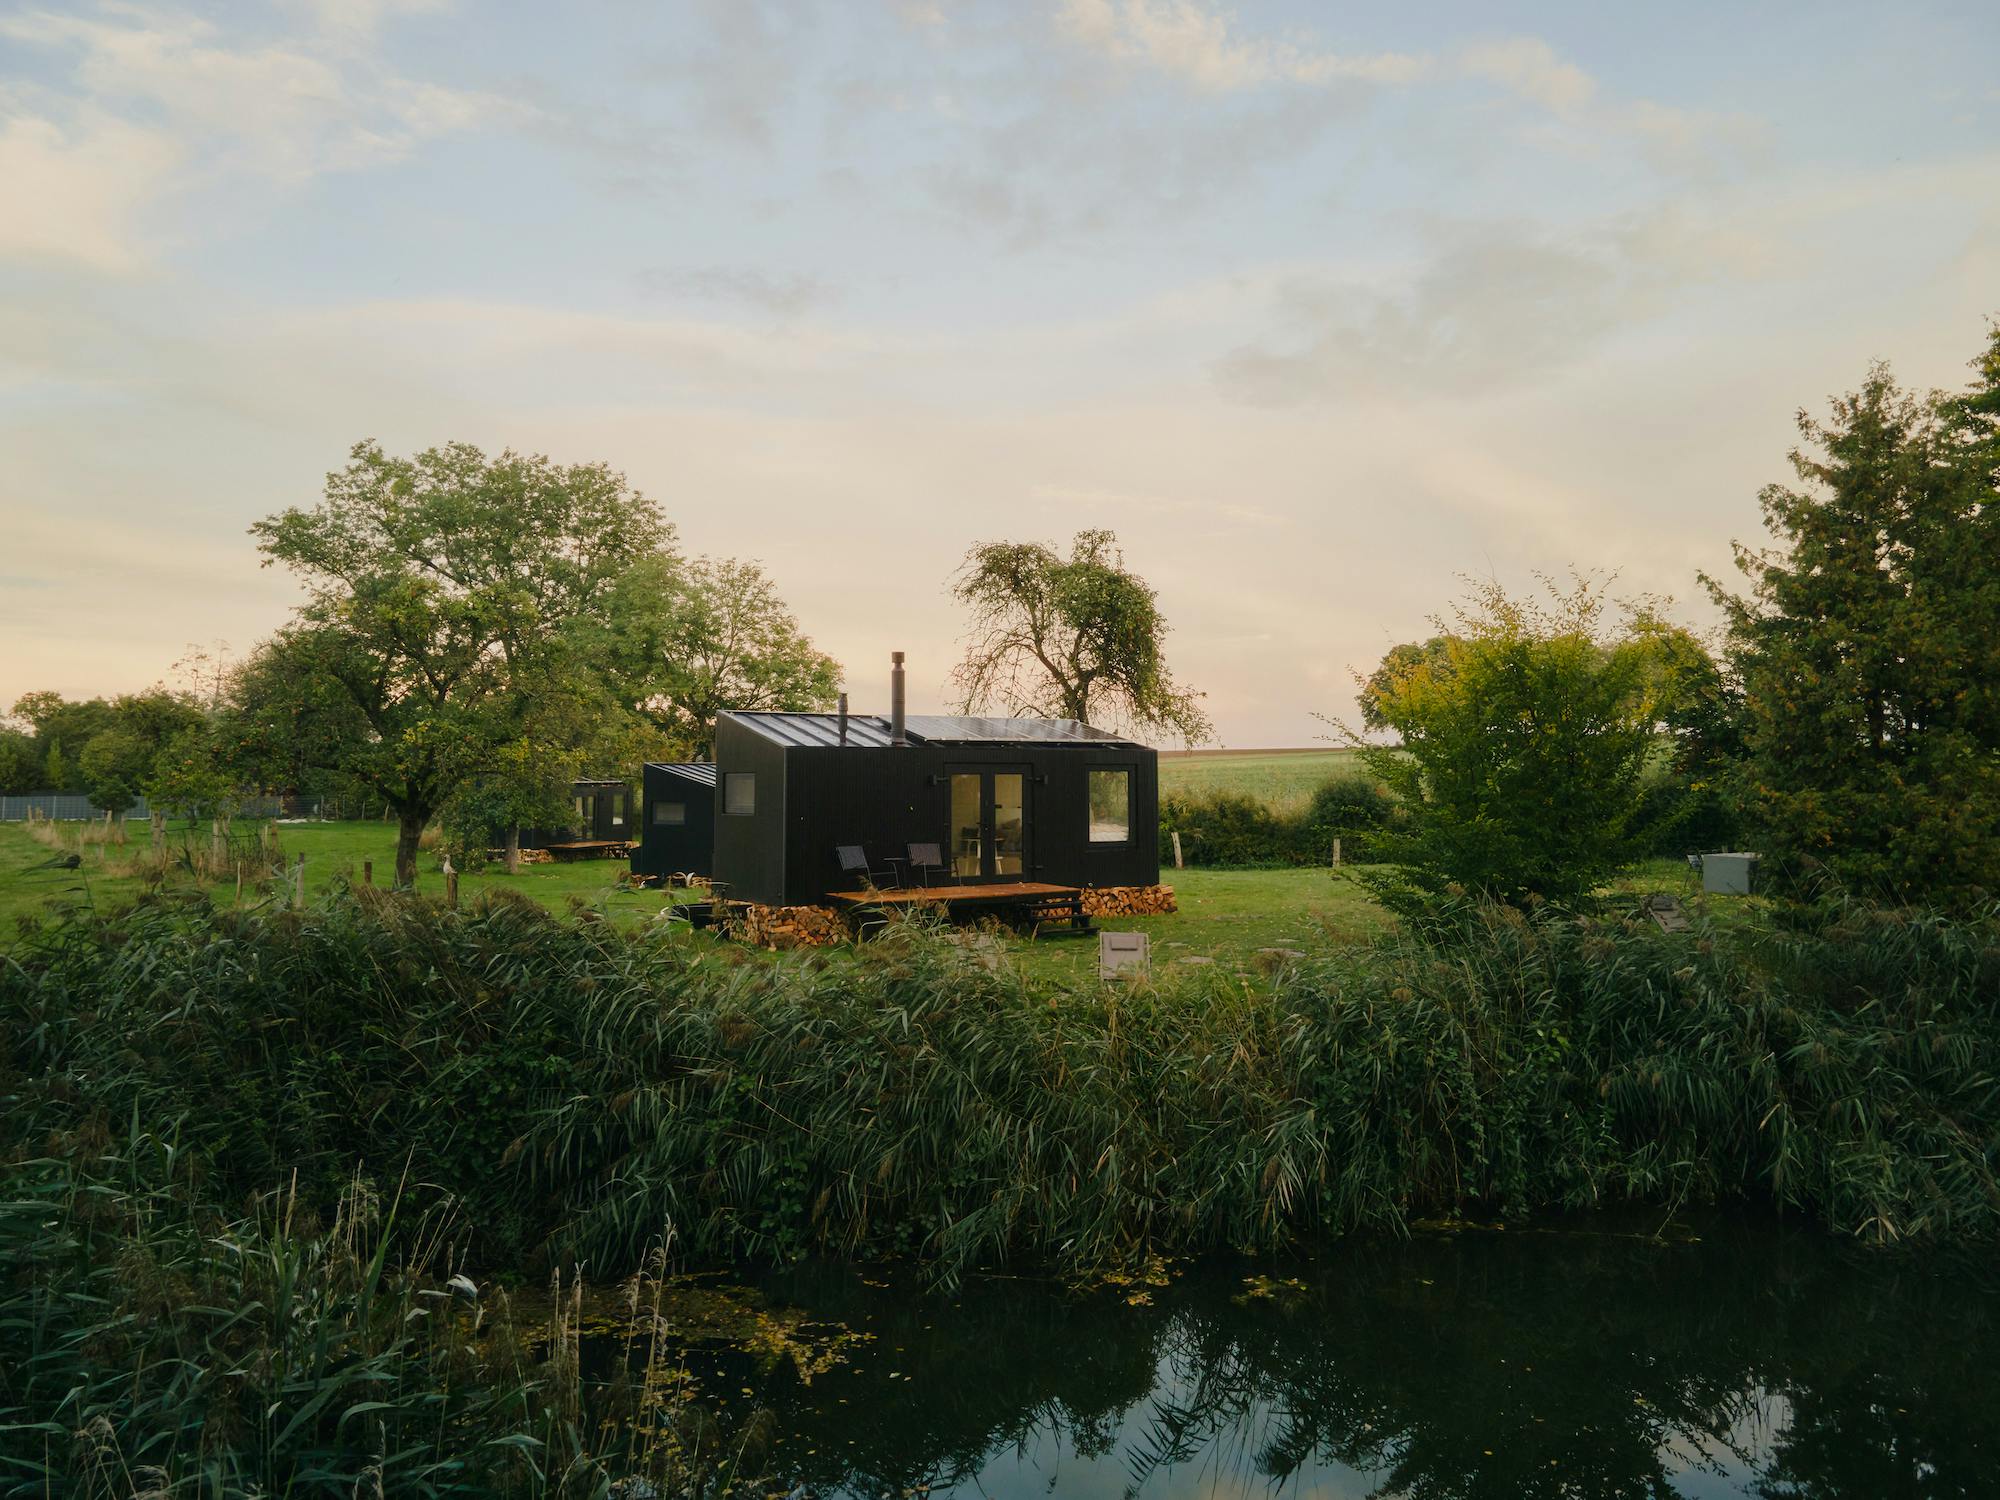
1352	808
1522	756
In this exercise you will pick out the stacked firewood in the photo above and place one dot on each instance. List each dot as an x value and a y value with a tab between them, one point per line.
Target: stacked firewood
786	926
1129	901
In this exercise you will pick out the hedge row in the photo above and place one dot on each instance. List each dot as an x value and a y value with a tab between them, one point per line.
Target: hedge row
1229	830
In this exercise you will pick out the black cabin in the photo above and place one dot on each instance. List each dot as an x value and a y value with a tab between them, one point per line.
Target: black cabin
677	820
603	815
1051	801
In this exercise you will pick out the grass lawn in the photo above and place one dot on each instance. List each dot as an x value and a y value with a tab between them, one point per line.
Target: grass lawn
1226	916
334	852
1285	779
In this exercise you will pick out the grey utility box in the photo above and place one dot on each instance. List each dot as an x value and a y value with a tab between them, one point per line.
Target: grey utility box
1121	953
1728	874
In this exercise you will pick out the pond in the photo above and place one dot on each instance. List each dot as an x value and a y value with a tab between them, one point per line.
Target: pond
1722	1358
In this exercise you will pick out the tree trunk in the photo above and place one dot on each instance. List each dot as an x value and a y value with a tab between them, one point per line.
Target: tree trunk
514	849
409	830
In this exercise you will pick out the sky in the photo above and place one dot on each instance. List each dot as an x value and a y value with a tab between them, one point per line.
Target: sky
1320	308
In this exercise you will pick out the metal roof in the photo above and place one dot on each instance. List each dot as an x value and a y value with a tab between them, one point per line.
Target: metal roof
871	731
963	729
816	729
700	772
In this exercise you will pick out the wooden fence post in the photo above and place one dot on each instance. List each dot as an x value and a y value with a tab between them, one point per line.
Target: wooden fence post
367	872
1177	850
299	884
450	884
1336	854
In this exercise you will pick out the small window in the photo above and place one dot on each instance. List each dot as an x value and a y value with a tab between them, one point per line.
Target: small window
1111	807
618	805
739	794
669	814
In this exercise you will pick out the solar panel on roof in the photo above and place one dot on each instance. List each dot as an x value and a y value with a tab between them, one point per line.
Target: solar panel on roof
870	731
968	729
702	773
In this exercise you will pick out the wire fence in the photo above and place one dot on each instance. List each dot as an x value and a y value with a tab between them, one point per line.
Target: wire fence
75	807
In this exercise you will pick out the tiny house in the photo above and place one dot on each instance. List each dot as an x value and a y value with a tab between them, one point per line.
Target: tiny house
677	820
603	815
1002	800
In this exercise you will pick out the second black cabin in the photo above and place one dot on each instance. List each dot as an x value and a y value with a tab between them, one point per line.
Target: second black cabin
992	800
677	820
603	815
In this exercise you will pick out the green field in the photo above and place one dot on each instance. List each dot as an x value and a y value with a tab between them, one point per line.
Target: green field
1285	779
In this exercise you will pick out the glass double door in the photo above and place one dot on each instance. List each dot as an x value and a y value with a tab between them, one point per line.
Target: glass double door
989	824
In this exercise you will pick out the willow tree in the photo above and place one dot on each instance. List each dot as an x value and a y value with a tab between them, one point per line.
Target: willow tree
1076	637
449	595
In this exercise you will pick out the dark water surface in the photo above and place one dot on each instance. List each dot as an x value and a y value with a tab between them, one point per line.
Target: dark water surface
1730	1359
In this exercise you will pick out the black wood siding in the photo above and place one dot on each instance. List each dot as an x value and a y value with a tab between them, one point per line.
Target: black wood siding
750	851
886	799
664	849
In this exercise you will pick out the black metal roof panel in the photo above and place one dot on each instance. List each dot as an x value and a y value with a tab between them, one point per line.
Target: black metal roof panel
702	773
815	729
871	731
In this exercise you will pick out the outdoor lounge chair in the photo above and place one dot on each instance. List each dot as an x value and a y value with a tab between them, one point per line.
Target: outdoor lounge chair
924	858
854	861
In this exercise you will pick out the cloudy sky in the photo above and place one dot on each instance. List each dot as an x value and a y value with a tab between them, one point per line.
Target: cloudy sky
1318	307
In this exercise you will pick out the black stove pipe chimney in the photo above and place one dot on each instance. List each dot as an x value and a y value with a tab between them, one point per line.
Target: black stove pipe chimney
898	733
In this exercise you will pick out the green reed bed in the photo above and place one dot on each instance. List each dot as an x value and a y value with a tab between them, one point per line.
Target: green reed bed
157	1346
217	1129
579	1089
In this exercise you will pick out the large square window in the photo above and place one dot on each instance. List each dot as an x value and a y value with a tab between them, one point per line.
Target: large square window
739	793
669	814
1111	806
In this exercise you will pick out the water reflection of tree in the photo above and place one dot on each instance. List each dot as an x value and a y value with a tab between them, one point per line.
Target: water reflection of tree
1515	1366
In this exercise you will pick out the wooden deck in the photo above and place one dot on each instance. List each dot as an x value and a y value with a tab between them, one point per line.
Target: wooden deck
1027	897
590	849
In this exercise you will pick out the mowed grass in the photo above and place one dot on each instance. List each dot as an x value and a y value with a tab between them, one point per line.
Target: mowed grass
335	854
1283	779
1241	921
1246	922
1226	915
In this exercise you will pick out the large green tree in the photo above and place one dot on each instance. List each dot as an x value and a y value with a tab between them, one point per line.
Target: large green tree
712	634
1868	644
1524	742
20	766
449	594
1398	662
1076	637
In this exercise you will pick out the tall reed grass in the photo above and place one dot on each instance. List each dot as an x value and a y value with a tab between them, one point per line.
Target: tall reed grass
441	1095
578	1088
158	1346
